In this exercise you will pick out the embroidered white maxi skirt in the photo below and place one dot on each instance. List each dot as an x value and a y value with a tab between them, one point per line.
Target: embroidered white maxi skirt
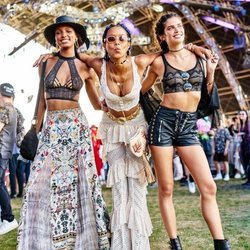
63	206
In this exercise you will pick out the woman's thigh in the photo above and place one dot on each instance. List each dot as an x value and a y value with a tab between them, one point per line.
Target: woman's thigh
163	161
196	161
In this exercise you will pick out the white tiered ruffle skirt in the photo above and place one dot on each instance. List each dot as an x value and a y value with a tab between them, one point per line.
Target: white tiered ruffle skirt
130	222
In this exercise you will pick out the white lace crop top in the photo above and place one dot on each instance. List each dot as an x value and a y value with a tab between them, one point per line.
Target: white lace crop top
119	103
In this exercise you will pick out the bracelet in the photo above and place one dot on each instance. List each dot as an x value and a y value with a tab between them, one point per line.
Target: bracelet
210	83
191	48
34	122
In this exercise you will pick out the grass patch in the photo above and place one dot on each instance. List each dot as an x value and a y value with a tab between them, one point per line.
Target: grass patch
234	203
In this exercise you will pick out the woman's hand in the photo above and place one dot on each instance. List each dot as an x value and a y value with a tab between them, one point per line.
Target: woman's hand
104	106
199	51
42	58
212	62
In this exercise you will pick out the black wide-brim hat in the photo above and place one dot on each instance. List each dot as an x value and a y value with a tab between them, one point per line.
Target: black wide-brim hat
49	31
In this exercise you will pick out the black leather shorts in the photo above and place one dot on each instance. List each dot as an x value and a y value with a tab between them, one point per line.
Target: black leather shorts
172	127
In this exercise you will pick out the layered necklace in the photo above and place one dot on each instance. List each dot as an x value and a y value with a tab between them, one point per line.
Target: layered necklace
119	84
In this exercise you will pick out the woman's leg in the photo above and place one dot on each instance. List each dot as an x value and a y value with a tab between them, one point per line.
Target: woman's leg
163	160
218	171
20	177
196	161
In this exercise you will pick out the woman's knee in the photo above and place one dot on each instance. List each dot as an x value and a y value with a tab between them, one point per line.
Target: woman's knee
165	190
208	189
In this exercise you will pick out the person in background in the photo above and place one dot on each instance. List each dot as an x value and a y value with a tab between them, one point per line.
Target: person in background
204	134
174	125
13	171
23	173
14	164
63	206
234	149
245	145
97	146
221	147
8	123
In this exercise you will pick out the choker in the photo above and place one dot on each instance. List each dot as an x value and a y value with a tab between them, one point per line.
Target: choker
116	63
176	50
63	57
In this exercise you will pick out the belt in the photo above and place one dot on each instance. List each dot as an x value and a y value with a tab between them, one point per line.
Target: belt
123	119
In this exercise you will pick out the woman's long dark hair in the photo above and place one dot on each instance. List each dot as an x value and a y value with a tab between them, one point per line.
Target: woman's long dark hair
160	27
106	56
246	128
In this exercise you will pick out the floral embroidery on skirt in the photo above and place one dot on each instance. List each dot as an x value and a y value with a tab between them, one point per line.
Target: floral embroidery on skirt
63	206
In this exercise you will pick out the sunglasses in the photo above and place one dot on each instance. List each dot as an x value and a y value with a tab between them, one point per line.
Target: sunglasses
112	39
187	86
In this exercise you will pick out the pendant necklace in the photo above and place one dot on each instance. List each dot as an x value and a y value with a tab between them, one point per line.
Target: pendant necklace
119	84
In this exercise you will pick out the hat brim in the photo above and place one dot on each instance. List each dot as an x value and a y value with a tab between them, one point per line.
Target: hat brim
7	94
49	33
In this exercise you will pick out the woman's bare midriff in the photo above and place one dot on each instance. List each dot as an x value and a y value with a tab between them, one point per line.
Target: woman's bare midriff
57	104
186	102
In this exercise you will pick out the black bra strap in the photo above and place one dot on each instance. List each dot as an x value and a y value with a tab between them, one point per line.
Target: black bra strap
164	59
202	66
165	64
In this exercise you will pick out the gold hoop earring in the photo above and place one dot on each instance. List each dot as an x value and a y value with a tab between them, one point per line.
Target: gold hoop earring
76	44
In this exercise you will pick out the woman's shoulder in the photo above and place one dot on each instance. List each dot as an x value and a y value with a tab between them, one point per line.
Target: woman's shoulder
145	60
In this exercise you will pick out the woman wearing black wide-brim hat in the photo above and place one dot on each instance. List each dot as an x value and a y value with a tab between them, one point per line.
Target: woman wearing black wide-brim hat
50	30
63	207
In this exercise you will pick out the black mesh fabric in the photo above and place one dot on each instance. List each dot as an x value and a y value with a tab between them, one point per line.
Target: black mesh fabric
67	91
174	79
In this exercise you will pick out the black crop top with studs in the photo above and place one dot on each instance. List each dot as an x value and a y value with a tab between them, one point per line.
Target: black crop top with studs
175	80
68	91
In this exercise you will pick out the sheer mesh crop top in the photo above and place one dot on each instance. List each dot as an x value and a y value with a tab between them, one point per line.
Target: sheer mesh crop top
126	102
175	80
67	91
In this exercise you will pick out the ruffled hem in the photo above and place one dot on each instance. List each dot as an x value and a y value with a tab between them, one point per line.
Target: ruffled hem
132	167
136	220
112	133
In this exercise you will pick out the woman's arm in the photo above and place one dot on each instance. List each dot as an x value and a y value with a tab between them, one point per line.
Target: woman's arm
91	89
144	60
41	105
199	51
87	59
92	62
151	76
210	69
43	58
